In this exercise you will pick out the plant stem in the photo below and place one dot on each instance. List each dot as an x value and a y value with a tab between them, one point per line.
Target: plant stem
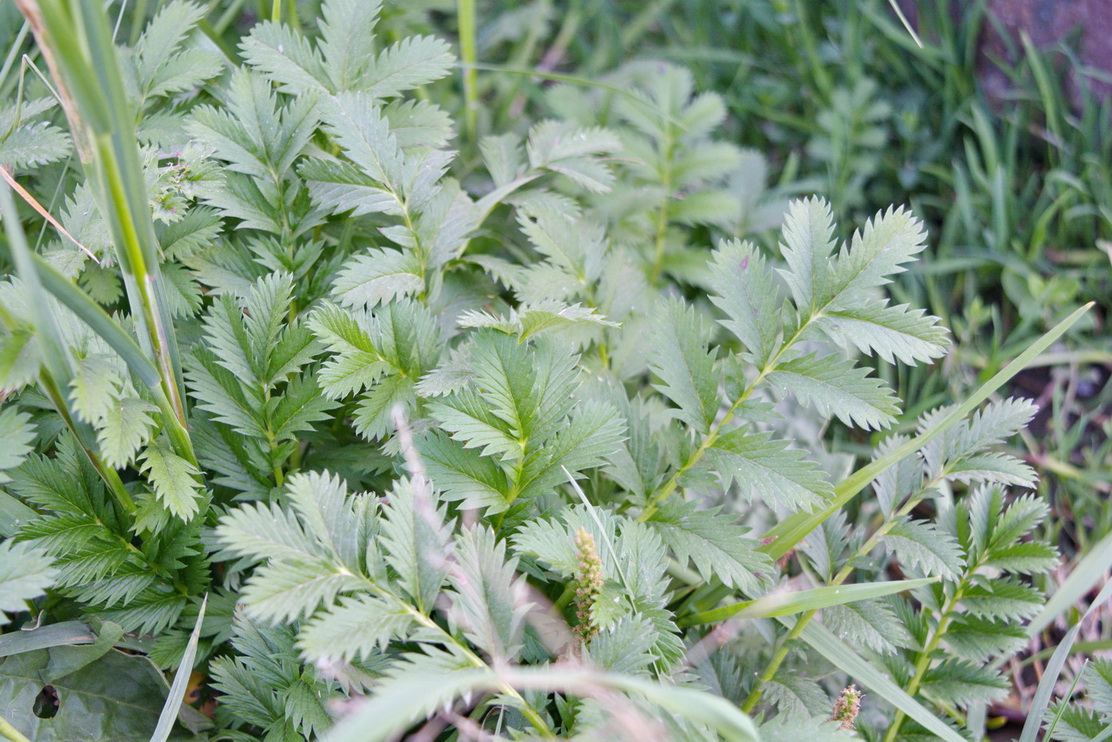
110	476
465	10
11	733
143	276
924	662
662	215
669	487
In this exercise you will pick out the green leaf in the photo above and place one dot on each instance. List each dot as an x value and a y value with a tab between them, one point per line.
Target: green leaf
354	629
922	547
484	603
356	361
19	359
162	66
1003	598
592	434
979	639
807	248
174	480
125	428
286	57
62	634
347	43
359	128
879	250
410	63
790	531
767	468
468	420
869	623
25	574
684	365
626	647
339	188
416	541
463	474
532	319
16	435
960	683
745	289
715	546
379	275
124	710
892	333
838	387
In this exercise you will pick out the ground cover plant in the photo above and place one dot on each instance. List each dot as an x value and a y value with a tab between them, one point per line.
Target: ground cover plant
314	428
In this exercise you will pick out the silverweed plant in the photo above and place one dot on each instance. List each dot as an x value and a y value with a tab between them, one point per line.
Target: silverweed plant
351	440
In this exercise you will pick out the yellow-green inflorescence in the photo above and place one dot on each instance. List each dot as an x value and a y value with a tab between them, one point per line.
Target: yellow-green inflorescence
588	584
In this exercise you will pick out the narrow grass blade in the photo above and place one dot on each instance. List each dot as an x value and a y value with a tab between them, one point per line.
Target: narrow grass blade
120	341
1085	575
79	38
906	24
64	634
405	702
91	313
7	731
57	366
55	355
172	706
842	656
465	12
791	603
786	534
1053	669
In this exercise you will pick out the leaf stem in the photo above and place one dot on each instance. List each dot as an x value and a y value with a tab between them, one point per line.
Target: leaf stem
924	662
662	215
11	733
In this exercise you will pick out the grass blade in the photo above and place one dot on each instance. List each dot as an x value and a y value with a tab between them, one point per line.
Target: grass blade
64	634
405	702
789	532
1053	669
57	366
791	603
861	670
1088	573
110	331
78	41
172	706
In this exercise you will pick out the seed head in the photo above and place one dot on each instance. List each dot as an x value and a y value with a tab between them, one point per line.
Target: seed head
588	584
847	707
